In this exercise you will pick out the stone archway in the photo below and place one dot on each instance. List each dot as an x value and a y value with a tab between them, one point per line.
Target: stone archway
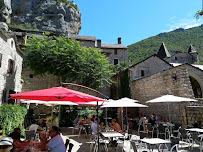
196	87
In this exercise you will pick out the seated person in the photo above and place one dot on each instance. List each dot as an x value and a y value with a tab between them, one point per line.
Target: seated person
94	126
34	126
6	144
18	144
115	126
102	127
55	144
76	120
41	123
152	120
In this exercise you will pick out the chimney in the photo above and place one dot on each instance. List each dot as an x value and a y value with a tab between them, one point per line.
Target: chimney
99	43
119	40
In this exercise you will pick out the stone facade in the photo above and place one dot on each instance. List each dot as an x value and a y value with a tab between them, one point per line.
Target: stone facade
172	81
147	67
11	66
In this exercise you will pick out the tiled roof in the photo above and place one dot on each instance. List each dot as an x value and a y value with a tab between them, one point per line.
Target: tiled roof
163	52
82	37
113	46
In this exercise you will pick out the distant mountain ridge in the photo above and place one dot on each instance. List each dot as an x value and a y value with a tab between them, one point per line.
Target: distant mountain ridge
177	40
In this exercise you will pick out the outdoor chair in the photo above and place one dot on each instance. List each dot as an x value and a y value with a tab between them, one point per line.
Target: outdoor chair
75	127
29	134
196	139
70	147
150	129
161	131
143	134
82	128
172	147
138	146
184	136
67	143
176	129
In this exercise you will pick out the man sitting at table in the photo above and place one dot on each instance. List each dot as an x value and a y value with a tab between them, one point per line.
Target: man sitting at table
34	126
55	144
115	126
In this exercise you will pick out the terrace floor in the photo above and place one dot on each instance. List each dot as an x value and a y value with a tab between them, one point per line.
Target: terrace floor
82	143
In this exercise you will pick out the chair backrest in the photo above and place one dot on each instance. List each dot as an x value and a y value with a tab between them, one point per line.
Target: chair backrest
174	141
161	128
143	134
149	127
134	146
67	143
70	147
29	134
183	133
194	136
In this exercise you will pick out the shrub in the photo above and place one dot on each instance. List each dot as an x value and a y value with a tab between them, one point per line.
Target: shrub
11	116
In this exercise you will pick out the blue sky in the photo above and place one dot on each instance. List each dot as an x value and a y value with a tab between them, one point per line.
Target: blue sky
135	20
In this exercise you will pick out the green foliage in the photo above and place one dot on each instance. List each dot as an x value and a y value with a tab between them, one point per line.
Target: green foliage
120	67
67	117
178	40
11	116
66	58
88	113
26	25
124	88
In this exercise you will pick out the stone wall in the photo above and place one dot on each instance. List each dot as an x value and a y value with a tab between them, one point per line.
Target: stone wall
149	66
173	81
122	54
8	51
36	82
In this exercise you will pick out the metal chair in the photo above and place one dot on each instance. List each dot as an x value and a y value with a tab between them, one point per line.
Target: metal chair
184	136
29	134
196	139
150	129
161	131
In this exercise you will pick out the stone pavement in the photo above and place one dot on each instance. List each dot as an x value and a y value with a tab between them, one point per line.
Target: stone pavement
82	143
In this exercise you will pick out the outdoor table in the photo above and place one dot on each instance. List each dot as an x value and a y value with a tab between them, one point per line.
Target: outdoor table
195	129
111	134
155	141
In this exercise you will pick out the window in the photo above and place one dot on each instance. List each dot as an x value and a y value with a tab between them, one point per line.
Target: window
115	51
142	73
12	44
10	66
31	75
4	96
115	61
0	59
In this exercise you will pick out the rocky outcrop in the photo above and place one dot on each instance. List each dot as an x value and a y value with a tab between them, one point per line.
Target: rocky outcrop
58	16
5	10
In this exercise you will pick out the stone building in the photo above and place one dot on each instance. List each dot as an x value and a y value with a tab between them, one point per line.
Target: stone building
11	58
162	74
115	52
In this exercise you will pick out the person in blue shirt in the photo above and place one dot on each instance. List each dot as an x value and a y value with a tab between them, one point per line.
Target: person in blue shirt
55	144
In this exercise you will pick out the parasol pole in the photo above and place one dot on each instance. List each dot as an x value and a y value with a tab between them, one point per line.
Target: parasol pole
169	120
106	97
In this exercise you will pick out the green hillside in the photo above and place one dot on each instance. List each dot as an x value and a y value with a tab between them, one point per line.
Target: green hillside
177	40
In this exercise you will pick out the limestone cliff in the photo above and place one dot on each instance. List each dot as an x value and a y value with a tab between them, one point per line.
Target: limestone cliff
58	16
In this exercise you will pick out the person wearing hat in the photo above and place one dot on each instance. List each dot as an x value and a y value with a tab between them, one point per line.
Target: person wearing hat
18	144
6	144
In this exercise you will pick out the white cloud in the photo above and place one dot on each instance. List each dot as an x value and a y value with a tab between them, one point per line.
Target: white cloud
182	23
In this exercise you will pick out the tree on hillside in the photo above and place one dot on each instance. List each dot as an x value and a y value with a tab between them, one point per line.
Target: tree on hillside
67	59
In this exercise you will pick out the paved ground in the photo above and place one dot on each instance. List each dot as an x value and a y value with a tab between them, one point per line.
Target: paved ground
82	144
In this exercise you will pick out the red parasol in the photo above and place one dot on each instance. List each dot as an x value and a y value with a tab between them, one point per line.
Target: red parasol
56	94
